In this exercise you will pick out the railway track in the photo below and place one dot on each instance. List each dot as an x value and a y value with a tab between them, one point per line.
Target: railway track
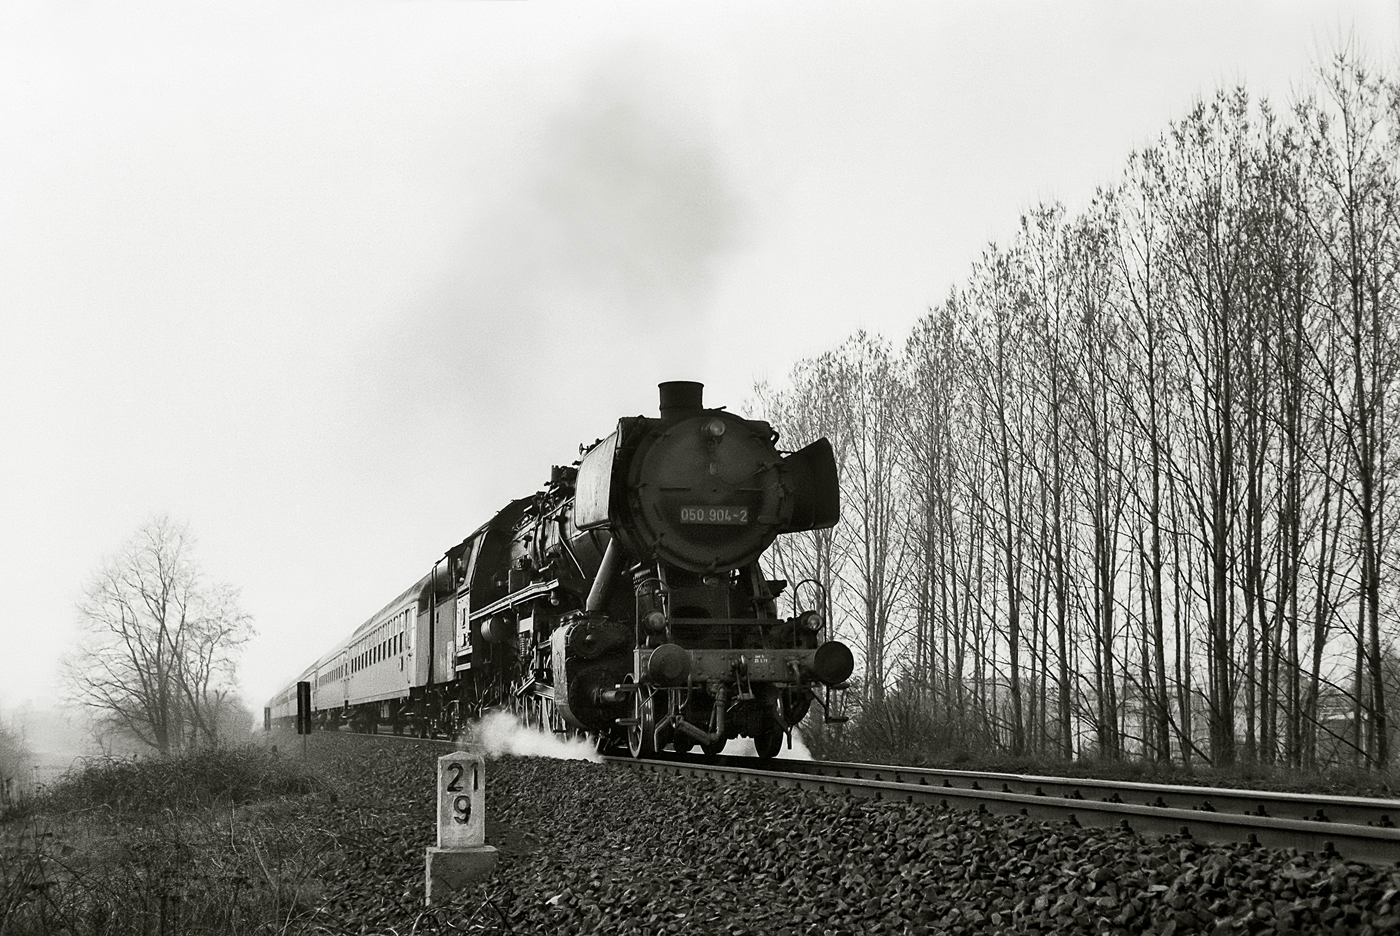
1356	828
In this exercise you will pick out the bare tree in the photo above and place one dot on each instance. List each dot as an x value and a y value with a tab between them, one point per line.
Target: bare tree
1132	482
157	656
1357	218
875	539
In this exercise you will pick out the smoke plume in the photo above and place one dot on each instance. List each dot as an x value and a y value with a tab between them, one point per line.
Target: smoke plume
584	275
502	733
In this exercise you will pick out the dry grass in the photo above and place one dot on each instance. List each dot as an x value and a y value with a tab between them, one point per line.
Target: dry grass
211	842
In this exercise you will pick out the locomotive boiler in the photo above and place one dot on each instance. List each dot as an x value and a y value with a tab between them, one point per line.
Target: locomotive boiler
625	600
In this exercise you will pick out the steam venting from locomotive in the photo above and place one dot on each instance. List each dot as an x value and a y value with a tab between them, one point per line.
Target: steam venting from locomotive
502	733
627	599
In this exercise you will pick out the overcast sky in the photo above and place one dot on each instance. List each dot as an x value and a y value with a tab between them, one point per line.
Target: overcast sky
334	281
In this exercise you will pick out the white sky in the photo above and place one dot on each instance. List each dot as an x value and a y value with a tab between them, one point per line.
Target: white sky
333	281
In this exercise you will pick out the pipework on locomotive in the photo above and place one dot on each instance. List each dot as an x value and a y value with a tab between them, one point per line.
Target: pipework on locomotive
625	600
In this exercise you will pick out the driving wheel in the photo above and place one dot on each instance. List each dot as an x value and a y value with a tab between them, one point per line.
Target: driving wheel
641	737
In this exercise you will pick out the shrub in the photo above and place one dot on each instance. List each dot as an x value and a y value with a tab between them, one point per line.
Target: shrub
193	780
211	841
901	728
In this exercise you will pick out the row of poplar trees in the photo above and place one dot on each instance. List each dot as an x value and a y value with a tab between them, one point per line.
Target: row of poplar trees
1126	492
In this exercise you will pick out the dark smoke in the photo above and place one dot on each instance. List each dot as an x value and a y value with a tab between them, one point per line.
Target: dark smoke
584	281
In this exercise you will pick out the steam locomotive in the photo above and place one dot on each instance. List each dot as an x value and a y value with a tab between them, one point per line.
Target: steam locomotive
625	600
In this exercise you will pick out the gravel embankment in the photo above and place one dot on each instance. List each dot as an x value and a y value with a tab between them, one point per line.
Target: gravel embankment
590	848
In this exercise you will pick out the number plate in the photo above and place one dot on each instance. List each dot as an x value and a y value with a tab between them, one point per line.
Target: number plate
461	801
724	516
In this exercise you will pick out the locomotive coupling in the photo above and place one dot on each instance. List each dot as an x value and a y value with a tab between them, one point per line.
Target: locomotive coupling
700	734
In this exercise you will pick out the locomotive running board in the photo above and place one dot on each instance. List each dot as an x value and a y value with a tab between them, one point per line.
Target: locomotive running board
528	593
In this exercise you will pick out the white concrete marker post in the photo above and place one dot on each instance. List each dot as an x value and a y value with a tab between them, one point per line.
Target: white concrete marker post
461	854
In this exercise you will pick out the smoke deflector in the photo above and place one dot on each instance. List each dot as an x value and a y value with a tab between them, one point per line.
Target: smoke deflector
812	481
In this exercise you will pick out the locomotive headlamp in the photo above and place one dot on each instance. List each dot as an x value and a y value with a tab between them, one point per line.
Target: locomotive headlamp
656	622
714	428
812	620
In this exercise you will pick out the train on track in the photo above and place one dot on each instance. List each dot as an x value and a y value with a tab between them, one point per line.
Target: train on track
624	600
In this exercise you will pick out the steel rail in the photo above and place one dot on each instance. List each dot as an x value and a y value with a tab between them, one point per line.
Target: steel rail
1356	810
1373	844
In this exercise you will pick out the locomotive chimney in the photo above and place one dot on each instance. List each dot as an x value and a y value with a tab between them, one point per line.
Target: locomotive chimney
678	396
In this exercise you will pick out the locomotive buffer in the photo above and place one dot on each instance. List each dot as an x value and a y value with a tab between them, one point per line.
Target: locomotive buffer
461	854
